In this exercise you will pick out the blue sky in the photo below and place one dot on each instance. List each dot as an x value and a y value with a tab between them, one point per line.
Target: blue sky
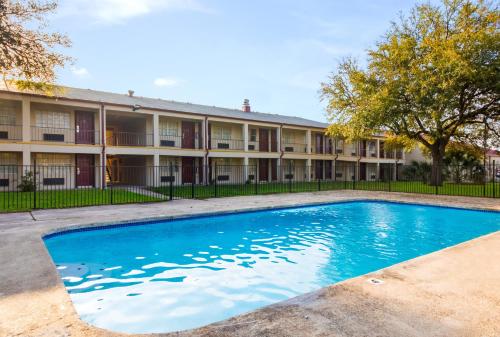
218	52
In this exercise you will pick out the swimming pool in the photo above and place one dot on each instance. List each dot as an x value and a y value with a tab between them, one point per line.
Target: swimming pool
180	274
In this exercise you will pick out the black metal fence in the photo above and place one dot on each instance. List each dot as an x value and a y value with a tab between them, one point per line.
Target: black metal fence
44	186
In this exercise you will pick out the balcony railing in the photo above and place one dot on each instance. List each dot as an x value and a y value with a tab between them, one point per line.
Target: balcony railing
11	132
368	153
64	135
227	144
129	139
295	147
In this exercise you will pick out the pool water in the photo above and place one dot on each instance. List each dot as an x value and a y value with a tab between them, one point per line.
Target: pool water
186	273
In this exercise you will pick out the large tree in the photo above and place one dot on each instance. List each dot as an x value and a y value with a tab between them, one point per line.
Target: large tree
434	77
27	55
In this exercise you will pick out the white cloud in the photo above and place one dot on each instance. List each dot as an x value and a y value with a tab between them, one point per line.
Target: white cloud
166	82
117	11
80	72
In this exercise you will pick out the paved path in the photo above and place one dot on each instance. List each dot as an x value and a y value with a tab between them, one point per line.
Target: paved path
453	292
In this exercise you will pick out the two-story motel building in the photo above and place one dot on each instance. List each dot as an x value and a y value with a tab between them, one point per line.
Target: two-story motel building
95	132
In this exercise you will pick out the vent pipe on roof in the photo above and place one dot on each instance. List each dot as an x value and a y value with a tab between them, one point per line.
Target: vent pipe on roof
131	93
246	105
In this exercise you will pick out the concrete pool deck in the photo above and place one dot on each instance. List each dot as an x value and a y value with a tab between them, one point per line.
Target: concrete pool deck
452	292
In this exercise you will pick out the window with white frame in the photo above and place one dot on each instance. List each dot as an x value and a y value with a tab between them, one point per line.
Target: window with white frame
169	128
8	163
253	135
7	115
222	133
287	138
224	165
54	159
52	119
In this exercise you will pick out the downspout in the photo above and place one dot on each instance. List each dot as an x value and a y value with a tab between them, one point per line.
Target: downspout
103	153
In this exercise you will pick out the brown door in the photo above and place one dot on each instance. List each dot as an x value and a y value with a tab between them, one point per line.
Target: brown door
319	169
362	171
328	169
274	169
274	140
319	143
187	170
85	174
188	134
84	127
263	169
263	140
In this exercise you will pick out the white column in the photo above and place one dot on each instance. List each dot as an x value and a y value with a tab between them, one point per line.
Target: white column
203	136
245	138
26	157
278	141
26	119
378	148
156	133
156	167
245	168
308	168
378	169
308	141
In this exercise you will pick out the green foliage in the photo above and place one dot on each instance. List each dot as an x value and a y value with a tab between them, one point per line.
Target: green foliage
27	182
417	171
433	78
28	53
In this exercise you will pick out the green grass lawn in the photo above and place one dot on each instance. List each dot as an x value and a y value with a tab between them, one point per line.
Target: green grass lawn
22	201
228	190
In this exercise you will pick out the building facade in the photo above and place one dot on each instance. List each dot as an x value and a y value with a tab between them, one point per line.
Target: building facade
86	138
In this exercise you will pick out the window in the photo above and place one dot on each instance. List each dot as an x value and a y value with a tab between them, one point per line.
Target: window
166	162
54	159
287	138
52	119
169	128
8	163
253	135
222	133
7	115
224	165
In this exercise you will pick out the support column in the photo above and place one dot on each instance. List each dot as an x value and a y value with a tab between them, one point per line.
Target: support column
245	137
203	137
378	169
26	157
278	141
26	119
308	168
156	167
308	141
378	149
245	168
156	132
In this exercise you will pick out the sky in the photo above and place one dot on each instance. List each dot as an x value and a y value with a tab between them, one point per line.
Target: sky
276	53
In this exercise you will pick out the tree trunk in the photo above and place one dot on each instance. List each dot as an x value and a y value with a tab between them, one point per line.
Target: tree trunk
437	152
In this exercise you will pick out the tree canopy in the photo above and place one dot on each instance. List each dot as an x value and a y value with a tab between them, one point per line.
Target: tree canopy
27	55
434	77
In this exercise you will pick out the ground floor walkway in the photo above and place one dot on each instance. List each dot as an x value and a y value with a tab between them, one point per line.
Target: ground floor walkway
453	292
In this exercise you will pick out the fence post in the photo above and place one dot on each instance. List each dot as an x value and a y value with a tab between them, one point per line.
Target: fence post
290	177
34	183
215	179
485	180
493	173
170	182
193	178
354	176
256	180
390	177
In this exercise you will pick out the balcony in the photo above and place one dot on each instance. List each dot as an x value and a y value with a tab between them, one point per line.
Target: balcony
129	139
295	147
11	132
227	144
64	135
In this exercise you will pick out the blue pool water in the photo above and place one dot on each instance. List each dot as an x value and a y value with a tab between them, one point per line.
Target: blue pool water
186	273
